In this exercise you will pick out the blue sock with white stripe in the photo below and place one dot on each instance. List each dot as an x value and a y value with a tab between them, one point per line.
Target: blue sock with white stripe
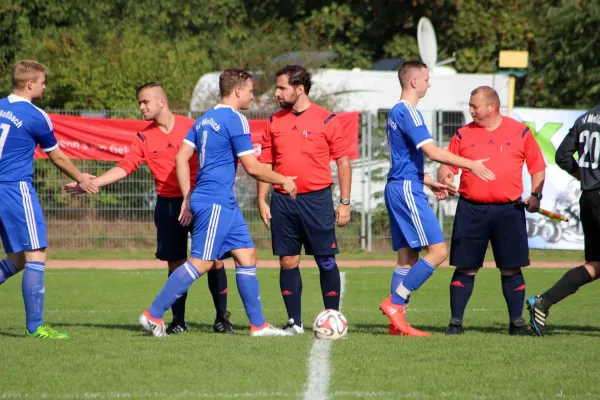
247	284
7	269
33	294
178	283
397	278
418	274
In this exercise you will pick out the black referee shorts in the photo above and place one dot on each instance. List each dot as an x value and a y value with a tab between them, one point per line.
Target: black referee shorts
308	220
171	237
477	224
589	204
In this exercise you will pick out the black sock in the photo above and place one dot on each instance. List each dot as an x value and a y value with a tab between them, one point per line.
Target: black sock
572	280
513	289
178	308
330	287
290	282
217	284
461	289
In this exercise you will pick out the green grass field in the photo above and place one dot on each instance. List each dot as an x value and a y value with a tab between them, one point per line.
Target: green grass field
109	358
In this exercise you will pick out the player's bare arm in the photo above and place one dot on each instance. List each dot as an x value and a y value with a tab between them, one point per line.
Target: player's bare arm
262	190
440	190
65	165
182	167
443	156
342	212
265	174
109	177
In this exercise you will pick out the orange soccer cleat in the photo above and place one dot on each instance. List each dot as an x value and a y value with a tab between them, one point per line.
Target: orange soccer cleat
397	315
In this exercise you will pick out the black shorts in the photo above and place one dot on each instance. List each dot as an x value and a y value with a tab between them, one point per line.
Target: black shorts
477	224
308	220
171	237
589	204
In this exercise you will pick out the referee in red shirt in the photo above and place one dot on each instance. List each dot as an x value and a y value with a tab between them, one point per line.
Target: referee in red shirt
301	140
157	146
492	211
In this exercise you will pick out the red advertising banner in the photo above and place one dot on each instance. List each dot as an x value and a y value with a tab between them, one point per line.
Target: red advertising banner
109	139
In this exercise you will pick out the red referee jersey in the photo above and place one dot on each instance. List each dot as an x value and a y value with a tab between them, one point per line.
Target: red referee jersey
508	147
303	146
158	150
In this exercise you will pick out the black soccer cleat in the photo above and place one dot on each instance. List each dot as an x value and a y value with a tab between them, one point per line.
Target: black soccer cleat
222	324
518	327
175	328
455	327
537	314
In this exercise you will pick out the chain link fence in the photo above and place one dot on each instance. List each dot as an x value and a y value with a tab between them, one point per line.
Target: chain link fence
122	215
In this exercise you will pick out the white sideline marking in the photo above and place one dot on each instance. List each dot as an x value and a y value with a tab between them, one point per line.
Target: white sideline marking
319	370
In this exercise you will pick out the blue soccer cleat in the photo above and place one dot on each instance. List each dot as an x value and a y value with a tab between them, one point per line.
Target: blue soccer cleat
537	314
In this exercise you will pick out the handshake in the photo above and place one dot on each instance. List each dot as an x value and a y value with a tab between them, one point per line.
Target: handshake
86	184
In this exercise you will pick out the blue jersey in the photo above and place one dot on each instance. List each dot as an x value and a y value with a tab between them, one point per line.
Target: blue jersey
22	127
406	133
220	136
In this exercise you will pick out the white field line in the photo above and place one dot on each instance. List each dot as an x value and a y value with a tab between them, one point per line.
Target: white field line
319	370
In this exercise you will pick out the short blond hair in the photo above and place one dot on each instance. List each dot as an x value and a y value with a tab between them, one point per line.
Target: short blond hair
489	95
25	71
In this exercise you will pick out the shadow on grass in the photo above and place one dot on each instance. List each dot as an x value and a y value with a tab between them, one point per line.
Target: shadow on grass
555	330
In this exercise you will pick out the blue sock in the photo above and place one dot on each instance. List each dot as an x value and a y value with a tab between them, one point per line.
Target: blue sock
290	283
513	288
461	288
178	283
416	277
329	277
397	278
247	284
7	269
178	308
33	294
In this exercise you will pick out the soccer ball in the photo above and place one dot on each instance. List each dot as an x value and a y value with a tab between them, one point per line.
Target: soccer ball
330	324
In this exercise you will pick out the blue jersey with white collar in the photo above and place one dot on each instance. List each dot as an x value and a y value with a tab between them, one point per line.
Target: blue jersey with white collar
406	133
220	137
22	127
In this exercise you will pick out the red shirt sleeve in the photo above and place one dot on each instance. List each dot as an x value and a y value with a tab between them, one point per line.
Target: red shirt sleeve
533	154
266	146
454	148
131	161
338	143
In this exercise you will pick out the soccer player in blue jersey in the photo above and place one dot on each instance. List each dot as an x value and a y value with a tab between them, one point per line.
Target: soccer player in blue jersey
221	137
23	127
412	221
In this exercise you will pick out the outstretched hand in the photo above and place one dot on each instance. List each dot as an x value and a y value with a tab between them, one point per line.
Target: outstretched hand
480	171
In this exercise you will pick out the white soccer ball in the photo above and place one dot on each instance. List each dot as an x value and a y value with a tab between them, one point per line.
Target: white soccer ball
330	324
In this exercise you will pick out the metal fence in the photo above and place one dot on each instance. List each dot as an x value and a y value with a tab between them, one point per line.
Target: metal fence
122	215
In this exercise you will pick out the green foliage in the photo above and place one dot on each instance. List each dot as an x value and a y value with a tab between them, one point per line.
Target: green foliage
99	52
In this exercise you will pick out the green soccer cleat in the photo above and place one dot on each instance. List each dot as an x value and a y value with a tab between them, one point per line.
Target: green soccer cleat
46	332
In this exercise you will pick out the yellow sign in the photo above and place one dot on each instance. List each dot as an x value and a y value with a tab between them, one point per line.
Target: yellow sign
513	59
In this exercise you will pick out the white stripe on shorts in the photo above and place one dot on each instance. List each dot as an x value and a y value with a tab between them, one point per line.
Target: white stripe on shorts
414	212
29	216
211	232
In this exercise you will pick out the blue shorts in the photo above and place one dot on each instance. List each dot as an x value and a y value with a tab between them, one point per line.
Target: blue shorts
477	224
171	237
308	220
412	220
217	231
22	223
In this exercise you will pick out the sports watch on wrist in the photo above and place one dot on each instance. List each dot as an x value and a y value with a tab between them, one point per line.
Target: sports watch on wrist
537	195
345	202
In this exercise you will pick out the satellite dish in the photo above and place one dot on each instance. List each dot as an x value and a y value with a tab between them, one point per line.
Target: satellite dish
427	42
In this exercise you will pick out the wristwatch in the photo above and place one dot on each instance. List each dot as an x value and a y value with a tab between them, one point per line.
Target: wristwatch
537	195
345	202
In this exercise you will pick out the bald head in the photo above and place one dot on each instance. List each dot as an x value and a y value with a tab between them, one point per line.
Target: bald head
488	95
